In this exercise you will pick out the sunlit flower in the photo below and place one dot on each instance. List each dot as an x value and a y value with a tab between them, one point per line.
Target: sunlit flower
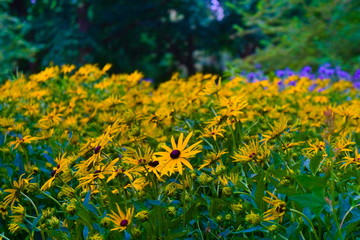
212	158
278	210
22	140
63	163
120	219
252	152
175	157
315	147
213	132
15	192
355	160
233	106
277	129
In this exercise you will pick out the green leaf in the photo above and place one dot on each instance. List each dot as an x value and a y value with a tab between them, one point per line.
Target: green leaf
315	201
177	234
259	192
312	182
315	162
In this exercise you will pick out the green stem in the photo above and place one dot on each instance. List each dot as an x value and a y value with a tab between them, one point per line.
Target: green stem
212	147
202	237
3	236
49	196
36	210
347	213
307	219
332	192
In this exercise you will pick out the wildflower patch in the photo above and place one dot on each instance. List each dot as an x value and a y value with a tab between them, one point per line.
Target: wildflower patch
89	155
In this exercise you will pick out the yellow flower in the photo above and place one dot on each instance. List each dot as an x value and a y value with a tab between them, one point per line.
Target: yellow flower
67	68
100	172
3	210
251	152
277	211
16	191
213	132
316	147
212	158
22	140
177	155
138	184
120	219
351	160
62	165
232	107
277	129
14	227
51	119
342	145
211	87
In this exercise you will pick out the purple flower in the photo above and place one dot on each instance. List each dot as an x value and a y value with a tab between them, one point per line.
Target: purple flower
312	87
251	76
292	83
356	75
342	74
217	10
357	85
306	72
280	73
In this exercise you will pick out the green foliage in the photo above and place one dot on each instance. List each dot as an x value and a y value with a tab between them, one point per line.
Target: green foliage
14	46
298	33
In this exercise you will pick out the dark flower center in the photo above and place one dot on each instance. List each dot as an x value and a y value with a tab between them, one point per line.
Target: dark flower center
175	154
97	149
53	173
153	163
96	172
142	161
124	223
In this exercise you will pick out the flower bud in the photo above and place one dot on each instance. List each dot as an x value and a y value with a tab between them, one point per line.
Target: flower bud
253	218
105	222
71	208
204	179
226	191
142	216
237	208
136	232
171	211
54	222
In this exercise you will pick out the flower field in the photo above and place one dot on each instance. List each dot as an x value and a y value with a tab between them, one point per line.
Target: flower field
89	155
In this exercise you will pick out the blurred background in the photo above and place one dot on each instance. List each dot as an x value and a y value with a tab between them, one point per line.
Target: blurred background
159	37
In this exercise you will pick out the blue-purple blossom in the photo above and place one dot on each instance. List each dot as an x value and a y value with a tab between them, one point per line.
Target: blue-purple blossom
356	76
217	10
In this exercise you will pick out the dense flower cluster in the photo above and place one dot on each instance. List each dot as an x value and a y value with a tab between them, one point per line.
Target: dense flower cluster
85	154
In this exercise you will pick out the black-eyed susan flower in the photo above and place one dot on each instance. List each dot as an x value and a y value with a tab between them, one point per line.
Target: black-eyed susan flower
277	129
354	160
22	140
278	210
63	163
120	219
251	152
175	157
212	158
213	132
233	106
15	192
